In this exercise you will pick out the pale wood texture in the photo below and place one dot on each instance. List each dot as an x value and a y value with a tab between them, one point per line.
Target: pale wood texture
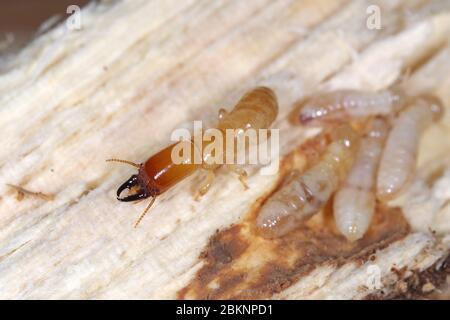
139	69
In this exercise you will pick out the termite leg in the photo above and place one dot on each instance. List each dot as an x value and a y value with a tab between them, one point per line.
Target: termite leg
242	174
204	187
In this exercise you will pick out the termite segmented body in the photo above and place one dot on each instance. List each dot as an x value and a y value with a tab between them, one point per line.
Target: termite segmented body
305	194
354	202
340	105
399	156
256	110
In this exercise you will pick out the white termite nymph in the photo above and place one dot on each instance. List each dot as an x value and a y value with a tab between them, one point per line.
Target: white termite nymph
354	202
398	161
341	105
304	194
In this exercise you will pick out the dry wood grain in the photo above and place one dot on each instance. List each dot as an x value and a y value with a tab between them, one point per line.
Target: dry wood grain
139	69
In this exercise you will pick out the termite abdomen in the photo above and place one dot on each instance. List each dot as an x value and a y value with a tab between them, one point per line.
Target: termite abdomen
257	109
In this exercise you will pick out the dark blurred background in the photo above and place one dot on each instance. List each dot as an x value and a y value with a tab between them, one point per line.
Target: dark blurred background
20	19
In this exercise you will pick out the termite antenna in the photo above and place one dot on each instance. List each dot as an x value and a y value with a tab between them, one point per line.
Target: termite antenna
145	212
124	161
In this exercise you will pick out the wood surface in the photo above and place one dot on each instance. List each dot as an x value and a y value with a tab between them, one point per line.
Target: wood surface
136	71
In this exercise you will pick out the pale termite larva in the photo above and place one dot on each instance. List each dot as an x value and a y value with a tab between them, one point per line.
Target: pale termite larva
305	194
354	202
398	161
338	106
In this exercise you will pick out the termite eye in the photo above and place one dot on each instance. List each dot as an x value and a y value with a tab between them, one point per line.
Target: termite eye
129	184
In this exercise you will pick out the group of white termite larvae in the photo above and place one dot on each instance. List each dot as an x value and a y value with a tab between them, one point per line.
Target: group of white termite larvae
356	166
